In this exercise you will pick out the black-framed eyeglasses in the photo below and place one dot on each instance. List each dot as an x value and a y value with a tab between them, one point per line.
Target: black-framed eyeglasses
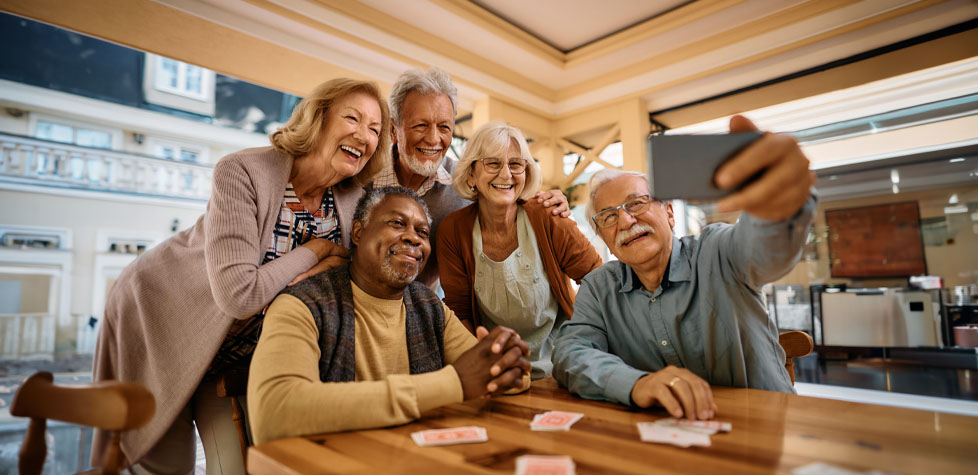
495	165
609	216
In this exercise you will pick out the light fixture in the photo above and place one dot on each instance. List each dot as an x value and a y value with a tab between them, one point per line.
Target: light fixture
956	160
953	200
894	176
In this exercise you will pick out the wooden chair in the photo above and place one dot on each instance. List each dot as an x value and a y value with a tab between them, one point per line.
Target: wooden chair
234	384
108	405
796	344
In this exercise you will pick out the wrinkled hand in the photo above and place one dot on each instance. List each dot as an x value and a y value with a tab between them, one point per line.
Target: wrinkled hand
554	199
678	390
323	265
785	184
496	363
325	248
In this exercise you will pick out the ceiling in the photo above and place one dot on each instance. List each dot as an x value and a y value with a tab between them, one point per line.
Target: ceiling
581	21
557	58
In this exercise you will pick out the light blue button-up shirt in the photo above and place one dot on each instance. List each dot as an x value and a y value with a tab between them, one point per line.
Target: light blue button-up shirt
707	315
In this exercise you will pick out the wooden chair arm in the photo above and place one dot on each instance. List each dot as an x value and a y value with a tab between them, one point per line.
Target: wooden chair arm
108	405
796	343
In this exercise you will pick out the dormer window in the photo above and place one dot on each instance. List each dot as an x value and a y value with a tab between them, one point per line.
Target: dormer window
177	77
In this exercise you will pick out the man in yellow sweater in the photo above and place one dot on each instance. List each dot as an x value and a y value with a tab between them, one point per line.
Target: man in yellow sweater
364	346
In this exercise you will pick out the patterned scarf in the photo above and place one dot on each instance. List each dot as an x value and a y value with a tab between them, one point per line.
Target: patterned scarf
329	297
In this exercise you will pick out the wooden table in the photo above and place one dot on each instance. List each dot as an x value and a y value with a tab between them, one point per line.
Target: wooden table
772	433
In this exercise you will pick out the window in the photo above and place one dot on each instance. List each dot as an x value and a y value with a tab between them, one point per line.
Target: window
178	85
180	78
171	150
60	132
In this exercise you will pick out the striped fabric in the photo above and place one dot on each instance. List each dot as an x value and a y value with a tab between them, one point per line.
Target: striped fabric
295	226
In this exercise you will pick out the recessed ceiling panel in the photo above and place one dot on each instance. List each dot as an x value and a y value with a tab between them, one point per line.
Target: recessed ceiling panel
570	24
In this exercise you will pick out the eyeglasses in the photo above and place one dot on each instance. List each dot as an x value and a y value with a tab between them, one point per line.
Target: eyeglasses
609	216
495	165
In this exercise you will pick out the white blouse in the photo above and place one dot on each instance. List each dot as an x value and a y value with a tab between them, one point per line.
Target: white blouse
516	293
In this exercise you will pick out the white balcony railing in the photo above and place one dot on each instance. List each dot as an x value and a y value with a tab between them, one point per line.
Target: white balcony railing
31	161
27	335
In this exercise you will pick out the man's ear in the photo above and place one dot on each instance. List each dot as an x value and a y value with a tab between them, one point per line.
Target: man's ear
355	233
393	132
669	213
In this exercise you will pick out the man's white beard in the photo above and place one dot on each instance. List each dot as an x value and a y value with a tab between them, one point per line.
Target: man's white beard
419	166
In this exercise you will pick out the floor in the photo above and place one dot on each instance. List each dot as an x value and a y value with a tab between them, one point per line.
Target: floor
888	375
890	383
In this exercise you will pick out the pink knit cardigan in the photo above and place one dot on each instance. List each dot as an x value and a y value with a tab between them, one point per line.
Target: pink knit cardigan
169	311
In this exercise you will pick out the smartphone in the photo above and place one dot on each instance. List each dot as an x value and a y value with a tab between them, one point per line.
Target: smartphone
682	166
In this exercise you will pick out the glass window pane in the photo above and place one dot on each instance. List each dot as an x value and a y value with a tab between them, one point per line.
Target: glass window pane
188	155
166	73
164	151
193	84
94	138
55	132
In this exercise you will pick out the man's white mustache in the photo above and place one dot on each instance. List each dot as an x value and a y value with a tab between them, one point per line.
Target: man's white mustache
635	230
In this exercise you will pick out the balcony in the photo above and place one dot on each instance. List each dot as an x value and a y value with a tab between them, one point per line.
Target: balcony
32	162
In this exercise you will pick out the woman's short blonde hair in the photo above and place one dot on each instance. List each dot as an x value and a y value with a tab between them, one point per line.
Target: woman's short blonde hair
302	134
493	140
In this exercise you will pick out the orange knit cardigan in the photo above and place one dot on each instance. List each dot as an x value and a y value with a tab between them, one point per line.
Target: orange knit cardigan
565	252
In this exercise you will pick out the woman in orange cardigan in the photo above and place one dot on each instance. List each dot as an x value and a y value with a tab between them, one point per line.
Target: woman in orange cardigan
504	260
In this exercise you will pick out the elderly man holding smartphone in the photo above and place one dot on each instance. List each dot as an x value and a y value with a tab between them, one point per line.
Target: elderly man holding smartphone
676	314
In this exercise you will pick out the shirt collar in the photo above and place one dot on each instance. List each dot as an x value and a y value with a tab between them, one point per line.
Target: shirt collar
678	270
388	177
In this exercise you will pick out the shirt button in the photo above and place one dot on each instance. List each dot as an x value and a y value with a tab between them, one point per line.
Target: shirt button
665	343
480	273
653	299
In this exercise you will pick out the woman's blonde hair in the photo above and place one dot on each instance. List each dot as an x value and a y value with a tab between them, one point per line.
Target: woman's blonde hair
493	140
302	134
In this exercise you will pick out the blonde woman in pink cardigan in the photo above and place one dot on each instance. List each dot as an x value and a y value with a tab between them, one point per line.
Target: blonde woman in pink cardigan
190	308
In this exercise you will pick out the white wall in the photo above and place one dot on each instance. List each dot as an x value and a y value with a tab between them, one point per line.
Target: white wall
86	217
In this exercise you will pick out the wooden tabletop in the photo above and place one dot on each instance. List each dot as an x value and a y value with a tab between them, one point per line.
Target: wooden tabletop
772	433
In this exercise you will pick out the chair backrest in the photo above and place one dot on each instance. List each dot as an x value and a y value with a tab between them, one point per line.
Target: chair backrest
796	344
108	405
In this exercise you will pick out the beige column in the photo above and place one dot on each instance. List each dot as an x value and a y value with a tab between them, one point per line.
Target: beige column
634	129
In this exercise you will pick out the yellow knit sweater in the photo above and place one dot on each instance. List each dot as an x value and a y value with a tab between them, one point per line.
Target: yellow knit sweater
286	397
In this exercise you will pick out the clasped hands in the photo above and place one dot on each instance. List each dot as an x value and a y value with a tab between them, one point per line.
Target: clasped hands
495	364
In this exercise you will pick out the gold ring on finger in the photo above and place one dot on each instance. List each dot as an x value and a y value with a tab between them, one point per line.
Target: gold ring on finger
673	381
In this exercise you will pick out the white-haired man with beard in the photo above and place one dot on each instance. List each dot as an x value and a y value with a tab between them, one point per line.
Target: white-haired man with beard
675	315
423	107
364	346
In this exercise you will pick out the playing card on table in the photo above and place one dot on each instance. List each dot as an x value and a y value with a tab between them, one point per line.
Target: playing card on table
703	427
457	435
652	432
555	420
544	465
822	468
